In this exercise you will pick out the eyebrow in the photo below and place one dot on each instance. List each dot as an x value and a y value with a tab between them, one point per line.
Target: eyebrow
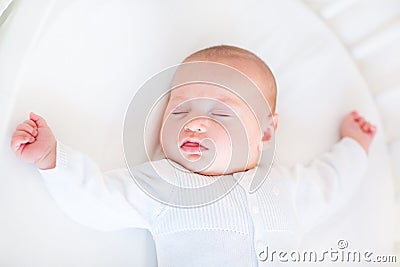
226	100
231	100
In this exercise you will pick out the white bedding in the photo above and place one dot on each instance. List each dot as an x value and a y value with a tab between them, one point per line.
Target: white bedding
78	63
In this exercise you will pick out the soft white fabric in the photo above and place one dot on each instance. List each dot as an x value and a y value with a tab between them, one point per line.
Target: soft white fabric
3	5
370	31
78	63
235	230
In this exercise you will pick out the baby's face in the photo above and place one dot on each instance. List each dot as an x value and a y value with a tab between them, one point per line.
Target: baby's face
210	130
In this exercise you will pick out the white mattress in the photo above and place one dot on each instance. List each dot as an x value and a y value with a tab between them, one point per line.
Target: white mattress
78	63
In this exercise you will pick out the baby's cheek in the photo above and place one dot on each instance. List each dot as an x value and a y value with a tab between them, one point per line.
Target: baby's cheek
224	145
169	138
219	133
233	144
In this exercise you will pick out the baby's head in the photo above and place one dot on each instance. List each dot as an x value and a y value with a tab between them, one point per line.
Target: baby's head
205	124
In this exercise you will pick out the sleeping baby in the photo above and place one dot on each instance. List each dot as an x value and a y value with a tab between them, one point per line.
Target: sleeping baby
208	133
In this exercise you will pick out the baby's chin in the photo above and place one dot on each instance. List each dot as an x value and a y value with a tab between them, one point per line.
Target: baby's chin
213	170
208	162
227	172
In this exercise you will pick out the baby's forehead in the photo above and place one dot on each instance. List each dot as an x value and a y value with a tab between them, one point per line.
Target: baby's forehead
205	91
244	80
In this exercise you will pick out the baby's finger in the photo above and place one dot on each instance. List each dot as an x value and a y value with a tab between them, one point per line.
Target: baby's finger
25	135
27	128
355	114
360	120
372	129
20	139
366	126
40	122
31	123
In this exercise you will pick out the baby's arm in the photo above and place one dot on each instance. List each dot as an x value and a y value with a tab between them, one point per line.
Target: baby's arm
103	201
330	179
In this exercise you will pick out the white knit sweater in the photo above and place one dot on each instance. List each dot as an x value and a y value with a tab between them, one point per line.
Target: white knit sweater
232	231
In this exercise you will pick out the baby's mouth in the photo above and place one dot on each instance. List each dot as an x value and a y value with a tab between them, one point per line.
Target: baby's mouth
192	146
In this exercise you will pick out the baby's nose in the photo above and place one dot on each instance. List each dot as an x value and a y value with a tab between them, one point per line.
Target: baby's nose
196	126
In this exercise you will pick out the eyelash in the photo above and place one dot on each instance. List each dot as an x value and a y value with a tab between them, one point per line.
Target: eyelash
221	115
214	114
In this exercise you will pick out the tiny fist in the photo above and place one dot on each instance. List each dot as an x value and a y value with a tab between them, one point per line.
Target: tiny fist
357	127
34	142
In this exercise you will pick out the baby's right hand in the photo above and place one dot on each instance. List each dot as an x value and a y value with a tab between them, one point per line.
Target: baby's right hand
34	142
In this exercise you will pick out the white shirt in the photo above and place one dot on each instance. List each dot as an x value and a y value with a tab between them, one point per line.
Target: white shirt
233	231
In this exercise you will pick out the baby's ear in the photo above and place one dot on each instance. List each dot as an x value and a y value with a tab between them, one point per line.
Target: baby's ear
271	127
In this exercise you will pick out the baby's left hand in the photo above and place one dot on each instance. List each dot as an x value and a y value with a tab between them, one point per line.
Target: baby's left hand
356	127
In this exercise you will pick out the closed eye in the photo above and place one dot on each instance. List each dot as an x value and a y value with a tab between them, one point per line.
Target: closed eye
179	112
222	114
